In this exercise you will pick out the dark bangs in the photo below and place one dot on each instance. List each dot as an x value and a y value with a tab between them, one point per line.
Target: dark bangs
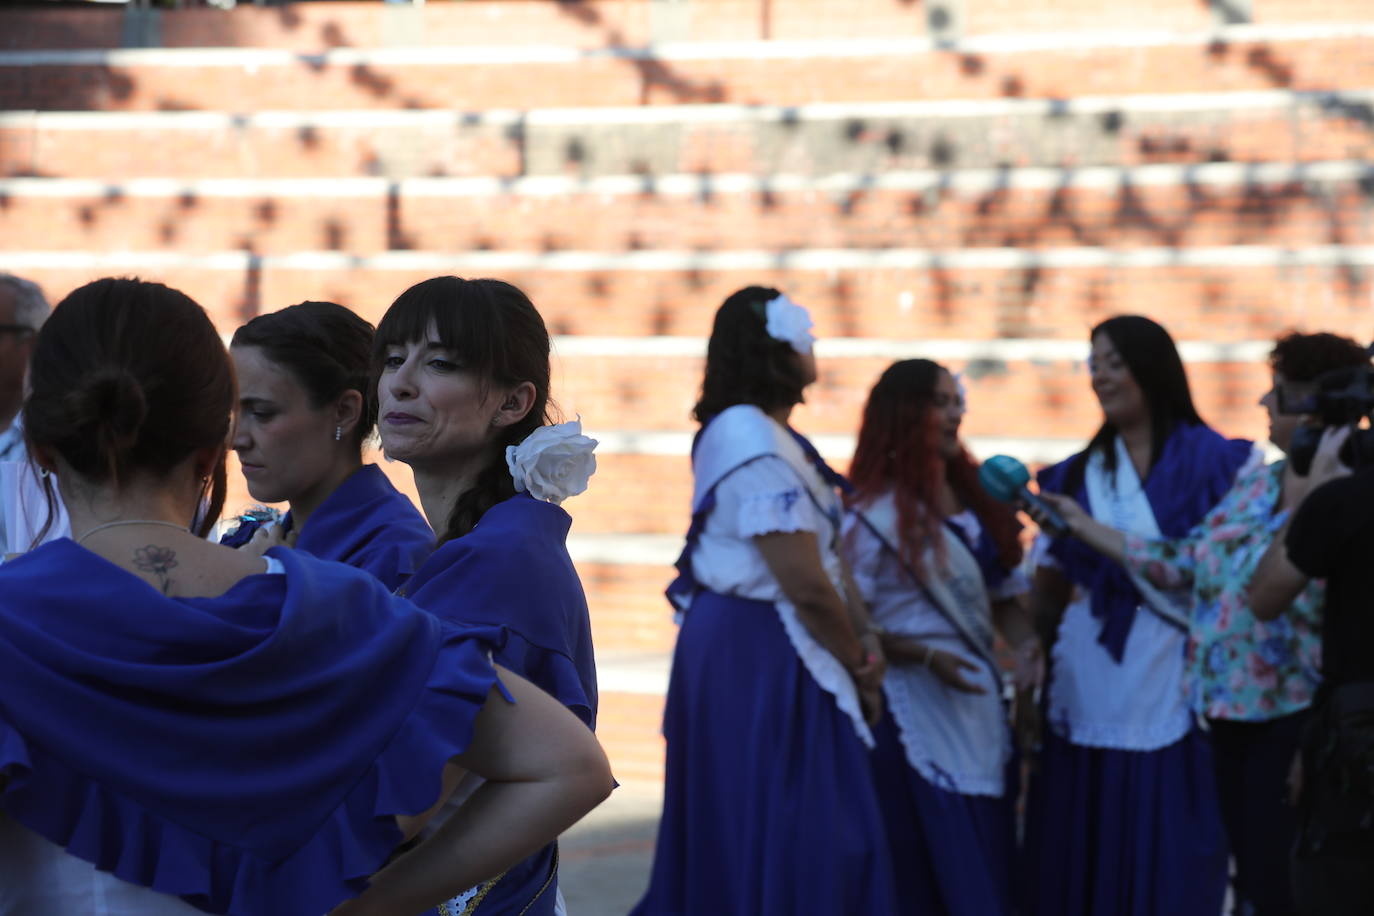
466	317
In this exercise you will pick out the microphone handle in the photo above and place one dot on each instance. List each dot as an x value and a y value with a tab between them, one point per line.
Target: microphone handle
1050	521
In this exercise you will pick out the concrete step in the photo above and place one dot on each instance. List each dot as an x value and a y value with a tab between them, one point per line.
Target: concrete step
1268	126
593	24
865	211
749	73
1242	292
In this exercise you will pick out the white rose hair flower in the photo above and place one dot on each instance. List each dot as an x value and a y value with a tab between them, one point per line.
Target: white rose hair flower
554	462
790	323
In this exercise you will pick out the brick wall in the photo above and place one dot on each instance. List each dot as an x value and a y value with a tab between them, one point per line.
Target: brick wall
920	174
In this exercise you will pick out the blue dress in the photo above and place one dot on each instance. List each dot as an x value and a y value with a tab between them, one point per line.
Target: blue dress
365	522
512	573
944	762
246	753
1123	816
769	805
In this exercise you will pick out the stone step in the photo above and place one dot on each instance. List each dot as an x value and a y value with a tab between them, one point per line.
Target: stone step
749	73
1111	130
1236	292
591	24
1230	205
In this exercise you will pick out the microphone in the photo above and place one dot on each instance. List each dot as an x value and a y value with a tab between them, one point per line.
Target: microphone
1005	479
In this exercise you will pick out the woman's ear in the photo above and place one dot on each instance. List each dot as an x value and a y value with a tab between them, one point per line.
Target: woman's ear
348	412
205	459
515	405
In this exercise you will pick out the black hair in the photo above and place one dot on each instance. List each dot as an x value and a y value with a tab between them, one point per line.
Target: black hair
743	364
1150	354
129	377
325	347
1303	357
495	331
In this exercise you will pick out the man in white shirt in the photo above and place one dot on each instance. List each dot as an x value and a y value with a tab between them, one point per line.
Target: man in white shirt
23	309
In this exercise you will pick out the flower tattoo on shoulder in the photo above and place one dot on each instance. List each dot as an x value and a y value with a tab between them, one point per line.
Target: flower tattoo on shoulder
156	560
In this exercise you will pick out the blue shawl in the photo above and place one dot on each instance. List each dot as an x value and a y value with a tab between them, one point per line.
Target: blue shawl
1195	469
245	752
513	571
365	522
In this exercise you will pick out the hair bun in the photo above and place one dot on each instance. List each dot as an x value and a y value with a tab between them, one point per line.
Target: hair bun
110	407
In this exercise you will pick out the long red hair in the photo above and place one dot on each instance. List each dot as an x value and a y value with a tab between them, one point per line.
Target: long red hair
899	450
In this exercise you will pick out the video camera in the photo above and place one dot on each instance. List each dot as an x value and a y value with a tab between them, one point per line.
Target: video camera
1342	398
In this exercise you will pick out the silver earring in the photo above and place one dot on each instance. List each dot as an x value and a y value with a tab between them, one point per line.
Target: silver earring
495	421
43	473
338	433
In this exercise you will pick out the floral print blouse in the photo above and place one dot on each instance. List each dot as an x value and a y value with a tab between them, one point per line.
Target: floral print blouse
1238	667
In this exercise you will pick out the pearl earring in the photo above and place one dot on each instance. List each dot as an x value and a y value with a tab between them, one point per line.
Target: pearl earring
338	433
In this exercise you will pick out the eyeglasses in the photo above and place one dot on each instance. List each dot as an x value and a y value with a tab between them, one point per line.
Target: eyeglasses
21	330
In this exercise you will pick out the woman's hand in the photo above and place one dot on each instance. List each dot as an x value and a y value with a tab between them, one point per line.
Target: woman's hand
947	665
868	677
1074	515
267	537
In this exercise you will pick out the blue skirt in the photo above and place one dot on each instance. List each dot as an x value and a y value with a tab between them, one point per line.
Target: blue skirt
954	851
1125	833
769	805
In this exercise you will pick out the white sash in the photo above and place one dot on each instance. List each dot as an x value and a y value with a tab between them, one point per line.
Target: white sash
957	741
1139	704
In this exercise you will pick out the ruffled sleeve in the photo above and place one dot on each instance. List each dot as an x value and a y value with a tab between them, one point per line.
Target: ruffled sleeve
768	497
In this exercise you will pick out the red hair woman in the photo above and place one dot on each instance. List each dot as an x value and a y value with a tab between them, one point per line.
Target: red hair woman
937	559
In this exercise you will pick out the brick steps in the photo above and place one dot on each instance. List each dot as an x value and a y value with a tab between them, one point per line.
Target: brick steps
1290	214
630	729
1237	294
399	144
594	23
311	83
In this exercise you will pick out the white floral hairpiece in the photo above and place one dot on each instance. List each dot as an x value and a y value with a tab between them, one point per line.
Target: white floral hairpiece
554	462
790	323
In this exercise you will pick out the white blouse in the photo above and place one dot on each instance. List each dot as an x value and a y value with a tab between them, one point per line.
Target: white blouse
764	483
957	741
764	496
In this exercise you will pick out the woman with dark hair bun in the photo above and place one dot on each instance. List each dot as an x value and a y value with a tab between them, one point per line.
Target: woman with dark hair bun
304	412
1252	680
938	561
777	678
463	393
188	728
1123	816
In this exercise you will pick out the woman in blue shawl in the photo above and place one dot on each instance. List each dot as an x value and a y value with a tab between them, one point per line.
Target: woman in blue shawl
303	375
463	392
1124	816
188	728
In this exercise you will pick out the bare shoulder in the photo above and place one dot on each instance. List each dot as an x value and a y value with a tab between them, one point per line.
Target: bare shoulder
199	569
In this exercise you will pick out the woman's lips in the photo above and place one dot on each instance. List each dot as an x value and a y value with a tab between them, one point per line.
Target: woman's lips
400	419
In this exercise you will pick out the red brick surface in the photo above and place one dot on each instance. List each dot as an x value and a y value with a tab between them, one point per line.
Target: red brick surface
1185	106
312	84
1291	214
